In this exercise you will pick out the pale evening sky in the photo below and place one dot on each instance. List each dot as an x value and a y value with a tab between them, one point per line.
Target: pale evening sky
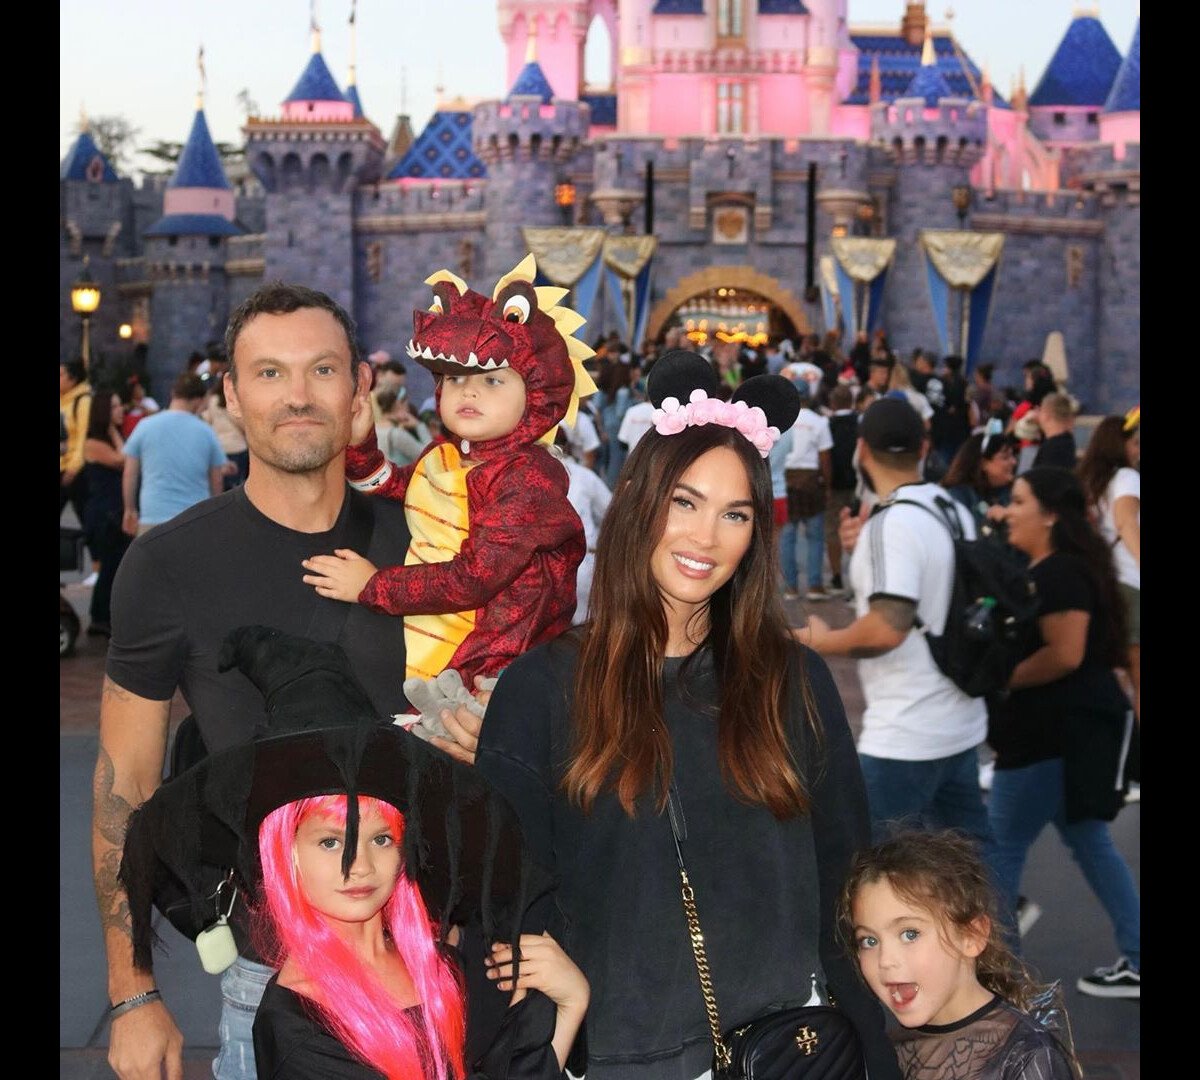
137	58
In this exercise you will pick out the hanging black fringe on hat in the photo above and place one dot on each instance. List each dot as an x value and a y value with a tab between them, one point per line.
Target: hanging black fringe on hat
462	843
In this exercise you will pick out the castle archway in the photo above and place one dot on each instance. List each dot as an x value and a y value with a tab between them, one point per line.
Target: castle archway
738	289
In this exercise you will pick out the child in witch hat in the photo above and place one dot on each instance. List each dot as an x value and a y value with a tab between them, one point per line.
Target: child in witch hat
360	855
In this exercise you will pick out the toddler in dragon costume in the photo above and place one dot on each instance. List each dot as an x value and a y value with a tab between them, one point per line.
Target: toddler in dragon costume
490	571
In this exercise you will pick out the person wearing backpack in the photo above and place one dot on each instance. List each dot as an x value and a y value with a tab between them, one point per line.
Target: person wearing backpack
920	731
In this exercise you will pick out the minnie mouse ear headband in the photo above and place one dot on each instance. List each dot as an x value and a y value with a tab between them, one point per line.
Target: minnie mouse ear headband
462	844
683	388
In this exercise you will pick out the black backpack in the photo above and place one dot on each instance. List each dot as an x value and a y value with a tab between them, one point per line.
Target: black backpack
993	609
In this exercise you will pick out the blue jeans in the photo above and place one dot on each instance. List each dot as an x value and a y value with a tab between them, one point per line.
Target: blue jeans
814	538
1023	802
242	987
939	794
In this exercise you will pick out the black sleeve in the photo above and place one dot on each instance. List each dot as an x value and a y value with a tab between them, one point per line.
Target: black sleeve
523	1047
514	747
1063	585
149	644
289	1045
841	826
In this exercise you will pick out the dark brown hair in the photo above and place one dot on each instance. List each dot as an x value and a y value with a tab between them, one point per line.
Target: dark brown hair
1105	454
942	873
620	741
967	466
1059	492
280	298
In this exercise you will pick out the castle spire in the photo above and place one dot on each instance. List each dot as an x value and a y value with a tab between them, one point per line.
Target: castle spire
1020	97
875	87
531	44
353	44
84	124
313	26
203	79
986	93
928	58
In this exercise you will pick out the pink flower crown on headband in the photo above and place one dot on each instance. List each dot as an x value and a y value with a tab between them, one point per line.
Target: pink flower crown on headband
750	420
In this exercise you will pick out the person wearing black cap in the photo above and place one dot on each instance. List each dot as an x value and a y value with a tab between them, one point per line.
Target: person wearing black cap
920	731
382	878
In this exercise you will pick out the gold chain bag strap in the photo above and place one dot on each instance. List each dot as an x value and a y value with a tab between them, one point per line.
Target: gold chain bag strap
807	1042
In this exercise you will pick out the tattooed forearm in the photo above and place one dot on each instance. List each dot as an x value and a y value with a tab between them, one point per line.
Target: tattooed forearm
110	816
110	811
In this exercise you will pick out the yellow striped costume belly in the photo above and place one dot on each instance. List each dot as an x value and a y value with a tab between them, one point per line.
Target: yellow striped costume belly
435	507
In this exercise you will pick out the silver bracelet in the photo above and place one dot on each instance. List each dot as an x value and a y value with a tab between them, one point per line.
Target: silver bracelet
122	1007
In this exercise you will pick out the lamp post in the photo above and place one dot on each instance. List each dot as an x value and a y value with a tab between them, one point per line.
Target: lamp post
564	198
85	298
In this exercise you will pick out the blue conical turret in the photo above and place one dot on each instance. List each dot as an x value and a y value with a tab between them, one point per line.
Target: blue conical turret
199	163
85	162
1126	94
928	83
1082	69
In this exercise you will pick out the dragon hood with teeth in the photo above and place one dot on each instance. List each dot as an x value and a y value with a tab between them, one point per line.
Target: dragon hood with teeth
522	327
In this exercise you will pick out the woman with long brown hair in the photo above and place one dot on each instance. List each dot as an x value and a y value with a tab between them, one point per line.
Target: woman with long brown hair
1112	483
686	689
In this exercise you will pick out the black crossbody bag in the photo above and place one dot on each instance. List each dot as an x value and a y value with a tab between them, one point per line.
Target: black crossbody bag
805	1042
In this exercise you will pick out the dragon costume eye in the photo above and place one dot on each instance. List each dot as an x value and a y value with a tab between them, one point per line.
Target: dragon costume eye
444	295
436	306
516	309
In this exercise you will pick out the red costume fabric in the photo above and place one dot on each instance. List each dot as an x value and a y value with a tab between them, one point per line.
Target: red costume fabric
516	566
521	541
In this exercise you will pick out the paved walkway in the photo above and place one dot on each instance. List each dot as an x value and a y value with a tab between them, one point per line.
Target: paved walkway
1071	938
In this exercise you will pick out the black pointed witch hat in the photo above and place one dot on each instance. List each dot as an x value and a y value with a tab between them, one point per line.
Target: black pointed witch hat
462	843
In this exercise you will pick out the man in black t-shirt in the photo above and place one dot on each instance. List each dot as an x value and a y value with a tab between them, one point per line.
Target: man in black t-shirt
1056	418
296	382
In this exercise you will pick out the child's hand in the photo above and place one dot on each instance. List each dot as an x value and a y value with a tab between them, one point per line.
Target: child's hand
340	576
544	967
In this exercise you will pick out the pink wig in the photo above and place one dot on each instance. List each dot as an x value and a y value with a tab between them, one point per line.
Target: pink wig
351	999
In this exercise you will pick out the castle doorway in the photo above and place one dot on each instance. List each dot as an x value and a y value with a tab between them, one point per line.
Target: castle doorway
729	303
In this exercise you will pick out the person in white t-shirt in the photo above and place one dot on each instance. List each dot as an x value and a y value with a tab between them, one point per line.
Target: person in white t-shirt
920	732
1110	477
807	471
638	419
583	439
589	495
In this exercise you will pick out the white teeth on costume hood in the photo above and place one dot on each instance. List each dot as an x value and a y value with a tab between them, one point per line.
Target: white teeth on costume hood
472	360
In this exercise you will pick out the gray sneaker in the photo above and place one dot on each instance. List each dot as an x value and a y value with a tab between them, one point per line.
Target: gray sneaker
1118	981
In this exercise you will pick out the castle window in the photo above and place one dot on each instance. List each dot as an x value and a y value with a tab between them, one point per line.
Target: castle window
729	18
214	241
1093	118
729	108
1060	118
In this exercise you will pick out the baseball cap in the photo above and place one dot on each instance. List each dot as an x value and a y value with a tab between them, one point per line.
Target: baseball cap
892	426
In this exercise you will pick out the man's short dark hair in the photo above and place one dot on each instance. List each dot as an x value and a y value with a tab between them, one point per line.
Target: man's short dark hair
986	371
953	363
189	387
393	366
280	298
75	369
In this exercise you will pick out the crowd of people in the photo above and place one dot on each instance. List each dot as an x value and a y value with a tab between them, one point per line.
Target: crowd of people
307	556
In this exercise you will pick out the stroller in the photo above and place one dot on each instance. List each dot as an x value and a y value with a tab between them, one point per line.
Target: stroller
70	557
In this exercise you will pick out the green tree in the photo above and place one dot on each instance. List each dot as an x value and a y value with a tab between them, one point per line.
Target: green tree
114	137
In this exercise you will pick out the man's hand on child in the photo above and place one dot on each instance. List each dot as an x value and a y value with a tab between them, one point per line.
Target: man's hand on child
340	576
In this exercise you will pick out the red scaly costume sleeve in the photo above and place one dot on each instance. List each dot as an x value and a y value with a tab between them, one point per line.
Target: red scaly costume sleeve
518	508
366	458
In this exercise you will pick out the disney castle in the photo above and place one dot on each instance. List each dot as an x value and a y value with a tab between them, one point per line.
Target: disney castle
757	168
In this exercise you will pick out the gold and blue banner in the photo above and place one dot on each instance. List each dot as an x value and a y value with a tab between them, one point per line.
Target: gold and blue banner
961	270
569	257
831	305
861	266
628	262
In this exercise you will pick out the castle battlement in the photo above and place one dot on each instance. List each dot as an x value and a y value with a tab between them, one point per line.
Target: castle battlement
522	128
1099	168
954	133
433	198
